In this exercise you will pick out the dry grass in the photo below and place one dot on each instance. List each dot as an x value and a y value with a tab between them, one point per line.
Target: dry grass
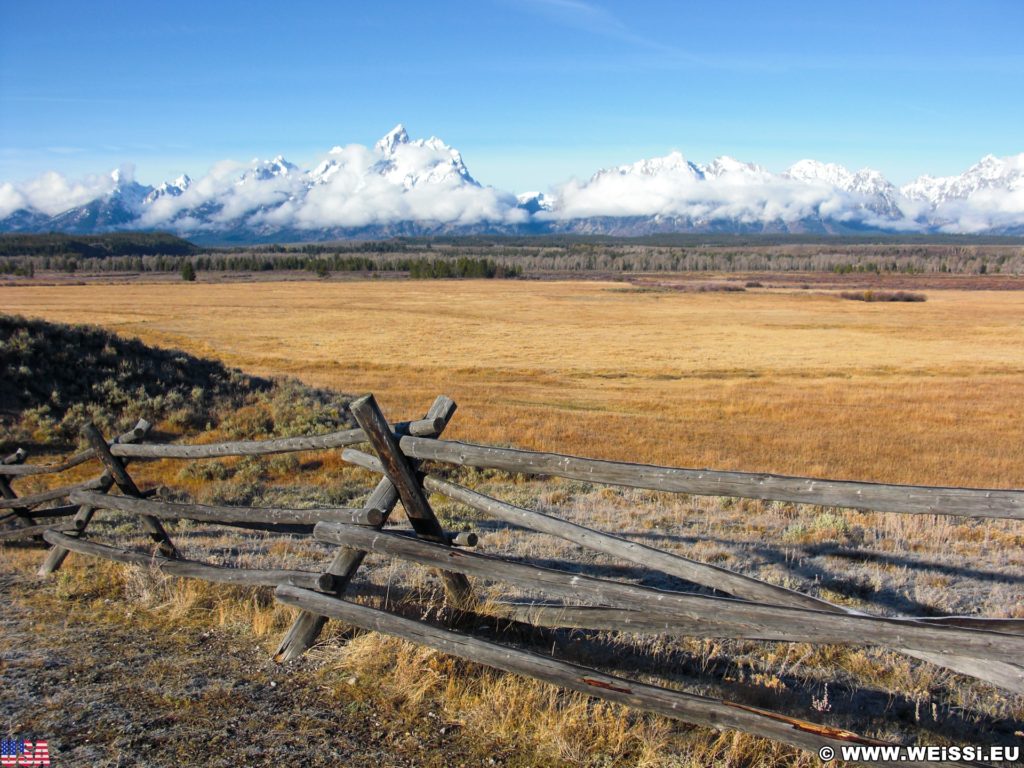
783	381
795	382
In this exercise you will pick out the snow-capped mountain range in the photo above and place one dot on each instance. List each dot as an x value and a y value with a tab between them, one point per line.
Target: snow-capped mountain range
402	186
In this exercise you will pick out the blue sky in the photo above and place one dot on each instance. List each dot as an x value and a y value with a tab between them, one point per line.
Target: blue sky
533	92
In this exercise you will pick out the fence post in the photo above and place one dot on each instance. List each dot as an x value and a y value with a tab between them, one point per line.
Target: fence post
308	625
57	554
22	515
127	486
403	476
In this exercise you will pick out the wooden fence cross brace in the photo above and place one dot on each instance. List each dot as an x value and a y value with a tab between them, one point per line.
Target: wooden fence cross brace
346	562
22	515
127	486
402	475
57	554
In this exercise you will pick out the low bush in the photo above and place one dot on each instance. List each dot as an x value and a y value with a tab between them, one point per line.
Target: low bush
883	296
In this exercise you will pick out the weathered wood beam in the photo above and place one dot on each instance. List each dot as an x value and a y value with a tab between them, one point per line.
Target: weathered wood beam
463	539
815	626
13	459
997	673
675	565
34	531
65	510
602	619
266	577
34	499
307	626
227	514
264	447
26	470
913	499
403	476
56	556
23	515
679	705
127	486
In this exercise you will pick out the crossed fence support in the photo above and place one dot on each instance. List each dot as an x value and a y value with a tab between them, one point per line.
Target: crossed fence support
985	648
399	483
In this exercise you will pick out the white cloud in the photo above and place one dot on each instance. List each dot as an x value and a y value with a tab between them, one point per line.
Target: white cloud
425	181
11	200
672	190
52	193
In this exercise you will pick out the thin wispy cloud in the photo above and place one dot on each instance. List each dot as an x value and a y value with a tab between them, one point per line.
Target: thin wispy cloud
592	18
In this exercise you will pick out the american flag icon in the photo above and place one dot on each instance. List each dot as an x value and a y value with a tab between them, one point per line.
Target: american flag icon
23	752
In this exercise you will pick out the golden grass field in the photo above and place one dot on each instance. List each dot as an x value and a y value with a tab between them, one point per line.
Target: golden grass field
784	380
792	381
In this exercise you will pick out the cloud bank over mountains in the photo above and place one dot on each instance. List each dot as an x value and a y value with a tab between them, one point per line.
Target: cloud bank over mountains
402	186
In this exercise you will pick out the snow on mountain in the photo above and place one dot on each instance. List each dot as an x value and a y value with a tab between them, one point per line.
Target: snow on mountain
871	190
729	166
422	186
814	172
671	193
987	197
533	202
672	164
173	188
264	170
990	173
423	161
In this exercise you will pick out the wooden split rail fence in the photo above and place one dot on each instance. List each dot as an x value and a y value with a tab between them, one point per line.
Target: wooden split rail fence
988	649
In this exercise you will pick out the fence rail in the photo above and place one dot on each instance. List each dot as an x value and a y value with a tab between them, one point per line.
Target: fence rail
988	649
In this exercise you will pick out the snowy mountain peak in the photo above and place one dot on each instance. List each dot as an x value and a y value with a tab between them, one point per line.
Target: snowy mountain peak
412	163
815	172
391	140
991	172
404	185
673	164
172	188
725	165
263	170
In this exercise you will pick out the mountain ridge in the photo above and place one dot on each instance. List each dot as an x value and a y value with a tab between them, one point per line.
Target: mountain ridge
411	187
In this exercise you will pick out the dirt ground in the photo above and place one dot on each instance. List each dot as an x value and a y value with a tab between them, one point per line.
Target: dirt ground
107	687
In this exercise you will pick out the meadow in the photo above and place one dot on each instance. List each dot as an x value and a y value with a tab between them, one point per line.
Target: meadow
781	379
789	381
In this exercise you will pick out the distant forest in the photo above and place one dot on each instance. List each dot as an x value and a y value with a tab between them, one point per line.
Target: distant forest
96	246
487	257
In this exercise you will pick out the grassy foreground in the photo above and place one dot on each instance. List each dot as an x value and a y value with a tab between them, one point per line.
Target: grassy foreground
788	381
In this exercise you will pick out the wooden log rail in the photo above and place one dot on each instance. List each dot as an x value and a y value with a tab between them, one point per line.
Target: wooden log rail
679	705
56	556
35	499
27	470
265	447
877	497
675	565
1003	674
603	619
167	510
989	649
21	514
220	450
308	625
402	474
796	624
125	484
177	566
